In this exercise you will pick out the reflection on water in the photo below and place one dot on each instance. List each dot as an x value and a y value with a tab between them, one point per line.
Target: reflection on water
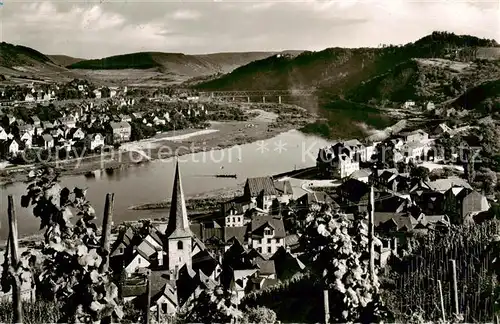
152	182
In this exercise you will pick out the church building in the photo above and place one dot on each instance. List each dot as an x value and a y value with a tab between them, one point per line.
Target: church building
178	234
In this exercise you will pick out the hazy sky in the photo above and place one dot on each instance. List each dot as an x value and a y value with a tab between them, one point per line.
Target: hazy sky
93	29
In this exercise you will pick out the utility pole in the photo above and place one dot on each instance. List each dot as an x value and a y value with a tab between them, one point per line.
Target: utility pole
147	316
371	211
326	305
14	262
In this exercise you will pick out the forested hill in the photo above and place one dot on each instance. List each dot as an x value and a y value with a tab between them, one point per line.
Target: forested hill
339	71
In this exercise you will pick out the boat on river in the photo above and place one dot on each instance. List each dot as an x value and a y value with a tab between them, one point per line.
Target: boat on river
234	176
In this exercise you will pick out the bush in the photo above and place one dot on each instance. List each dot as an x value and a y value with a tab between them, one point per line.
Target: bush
259	315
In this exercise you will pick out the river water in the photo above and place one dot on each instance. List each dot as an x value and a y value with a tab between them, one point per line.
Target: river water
152	182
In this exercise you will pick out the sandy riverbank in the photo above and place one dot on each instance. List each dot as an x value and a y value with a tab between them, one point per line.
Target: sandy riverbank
151	143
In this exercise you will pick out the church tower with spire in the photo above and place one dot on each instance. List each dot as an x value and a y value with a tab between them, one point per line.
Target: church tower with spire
179	235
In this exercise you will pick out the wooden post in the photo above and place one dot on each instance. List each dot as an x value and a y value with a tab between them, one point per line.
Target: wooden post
158	313
148	301
454	286
106	228
441	300
371	211
14	249
327	306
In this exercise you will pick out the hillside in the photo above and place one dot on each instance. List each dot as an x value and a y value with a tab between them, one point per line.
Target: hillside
20	63
64	60
435	67
176	66
420	79
484	98
17	55
337	71
145	68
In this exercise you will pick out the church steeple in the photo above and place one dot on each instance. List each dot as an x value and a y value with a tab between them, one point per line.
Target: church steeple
178	223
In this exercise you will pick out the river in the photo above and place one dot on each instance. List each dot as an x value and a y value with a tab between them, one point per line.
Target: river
152	182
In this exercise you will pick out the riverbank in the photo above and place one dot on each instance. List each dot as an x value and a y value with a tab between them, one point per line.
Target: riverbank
205	202
196	204
270	122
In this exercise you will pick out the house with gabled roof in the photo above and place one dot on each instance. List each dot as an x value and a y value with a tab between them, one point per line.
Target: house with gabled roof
204	262
453	199
94	141
239	282
3	134
315	197
164	293
120	132
27	139
68	121
394	222
125	240
9	119
442	129
287	265
47	125
11	147
233	212
284	191
354	195
26	128
76	134
233	234
260	192
266	234
137	115
473	204
417	135
35	121
140	259
125	118
362	175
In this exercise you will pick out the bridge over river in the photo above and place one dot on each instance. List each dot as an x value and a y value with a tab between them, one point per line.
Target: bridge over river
248	94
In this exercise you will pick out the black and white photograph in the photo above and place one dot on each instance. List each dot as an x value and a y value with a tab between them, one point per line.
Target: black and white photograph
249	161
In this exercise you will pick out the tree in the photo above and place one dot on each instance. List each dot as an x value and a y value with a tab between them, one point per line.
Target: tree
213	305
420	172
385	155
71	270
338	250
259	314
487	180
449	145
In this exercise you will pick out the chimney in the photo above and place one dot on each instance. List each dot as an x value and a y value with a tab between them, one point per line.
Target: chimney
160	257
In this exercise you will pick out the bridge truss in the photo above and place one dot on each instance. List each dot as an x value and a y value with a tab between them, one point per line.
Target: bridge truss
258	93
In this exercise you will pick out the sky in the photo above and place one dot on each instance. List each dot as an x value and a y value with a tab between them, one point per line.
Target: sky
96	29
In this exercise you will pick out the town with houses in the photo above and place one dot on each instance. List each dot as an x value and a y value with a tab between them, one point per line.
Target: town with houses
89	123
252	242
379	202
